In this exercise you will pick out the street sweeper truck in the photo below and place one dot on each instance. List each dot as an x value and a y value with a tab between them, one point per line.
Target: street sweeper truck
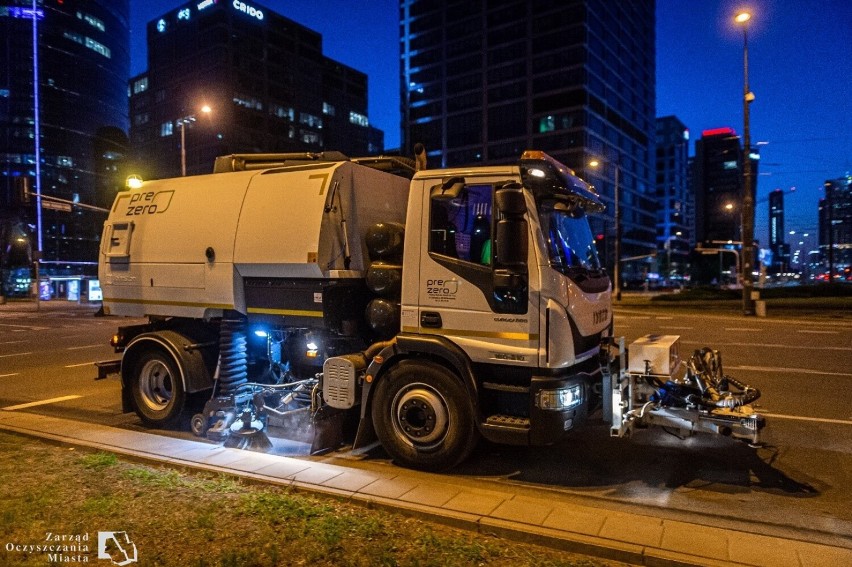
426	309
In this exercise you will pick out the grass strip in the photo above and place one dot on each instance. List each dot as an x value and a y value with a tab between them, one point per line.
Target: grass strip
55	495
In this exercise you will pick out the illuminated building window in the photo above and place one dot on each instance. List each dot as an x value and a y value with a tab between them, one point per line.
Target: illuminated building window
310	120
248	102
166	129
281	111
92	21
98	47
140	85
309	137
327	109
358	119
95	46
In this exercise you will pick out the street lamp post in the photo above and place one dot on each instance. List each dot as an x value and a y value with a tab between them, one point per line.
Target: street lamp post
617	270
748	198
616	285
182	122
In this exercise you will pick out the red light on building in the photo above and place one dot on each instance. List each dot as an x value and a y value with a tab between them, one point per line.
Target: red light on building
726	131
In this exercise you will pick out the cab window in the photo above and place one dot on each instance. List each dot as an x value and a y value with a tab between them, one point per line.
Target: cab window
462	227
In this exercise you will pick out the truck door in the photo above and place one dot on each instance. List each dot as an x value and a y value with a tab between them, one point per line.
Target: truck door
456	296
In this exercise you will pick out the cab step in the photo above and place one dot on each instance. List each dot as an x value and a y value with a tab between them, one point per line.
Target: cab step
509	429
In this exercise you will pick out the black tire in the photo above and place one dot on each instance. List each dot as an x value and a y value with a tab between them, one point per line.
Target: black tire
157	388
423	416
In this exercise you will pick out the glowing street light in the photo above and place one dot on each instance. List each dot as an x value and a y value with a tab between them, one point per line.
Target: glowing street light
742	18
616	285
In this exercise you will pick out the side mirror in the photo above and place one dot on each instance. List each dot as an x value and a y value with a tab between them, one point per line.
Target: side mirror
511	244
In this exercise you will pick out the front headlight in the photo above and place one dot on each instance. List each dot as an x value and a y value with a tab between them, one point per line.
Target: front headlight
561	399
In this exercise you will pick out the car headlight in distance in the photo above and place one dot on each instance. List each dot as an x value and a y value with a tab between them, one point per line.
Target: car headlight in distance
561	399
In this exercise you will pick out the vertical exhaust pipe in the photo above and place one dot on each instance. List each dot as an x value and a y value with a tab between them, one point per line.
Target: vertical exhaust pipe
419	157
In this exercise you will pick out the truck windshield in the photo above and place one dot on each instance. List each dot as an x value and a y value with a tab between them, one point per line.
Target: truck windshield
569	240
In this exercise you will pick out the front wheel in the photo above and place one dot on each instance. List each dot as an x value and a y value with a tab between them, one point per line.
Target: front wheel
423	416
157	389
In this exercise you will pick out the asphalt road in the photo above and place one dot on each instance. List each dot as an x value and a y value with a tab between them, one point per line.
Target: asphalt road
801	478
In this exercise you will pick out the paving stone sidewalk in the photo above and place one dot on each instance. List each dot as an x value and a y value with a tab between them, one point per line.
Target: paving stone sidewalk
555	520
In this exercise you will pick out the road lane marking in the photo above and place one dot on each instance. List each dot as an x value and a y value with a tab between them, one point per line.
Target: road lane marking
81	364
30	327
7	375
41	403
12	342
801	418
817	332
790	370
770	345
87	346
15	354
742	330
659	318
678	328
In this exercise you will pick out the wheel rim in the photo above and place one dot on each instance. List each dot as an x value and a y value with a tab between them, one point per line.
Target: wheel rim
420	416
155	385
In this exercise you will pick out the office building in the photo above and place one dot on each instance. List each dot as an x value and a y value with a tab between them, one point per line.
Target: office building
777	245
264	78
673	198
483	81
718	186
835	226
63	118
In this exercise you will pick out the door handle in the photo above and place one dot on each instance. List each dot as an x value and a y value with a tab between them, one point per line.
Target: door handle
430	320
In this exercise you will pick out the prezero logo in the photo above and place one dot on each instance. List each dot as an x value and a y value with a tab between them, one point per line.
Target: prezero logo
144	203
442	288
117	547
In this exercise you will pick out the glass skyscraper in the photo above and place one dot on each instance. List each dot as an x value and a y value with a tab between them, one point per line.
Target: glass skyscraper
674	200
835	227
80	114
482	81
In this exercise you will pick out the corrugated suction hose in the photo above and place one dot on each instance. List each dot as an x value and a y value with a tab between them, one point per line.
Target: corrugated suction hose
233	369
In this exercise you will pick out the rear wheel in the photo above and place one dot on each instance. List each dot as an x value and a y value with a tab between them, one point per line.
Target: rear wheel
158	392
423	416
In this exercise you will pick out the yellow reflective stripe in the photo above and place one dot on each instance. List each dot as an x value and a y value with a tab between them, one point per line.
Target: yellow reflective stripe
473	334
172	303
290	312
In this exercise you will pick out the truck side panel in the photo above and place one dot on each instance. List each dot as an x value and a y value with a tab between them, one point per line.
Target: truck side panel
168	246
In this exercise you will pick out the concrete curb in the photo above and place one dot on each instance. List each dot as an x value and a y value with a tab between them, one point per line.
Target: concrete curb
552	522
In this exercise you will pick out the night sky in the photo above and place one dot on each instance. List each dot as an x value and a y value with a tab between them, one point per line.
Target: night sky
800	69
